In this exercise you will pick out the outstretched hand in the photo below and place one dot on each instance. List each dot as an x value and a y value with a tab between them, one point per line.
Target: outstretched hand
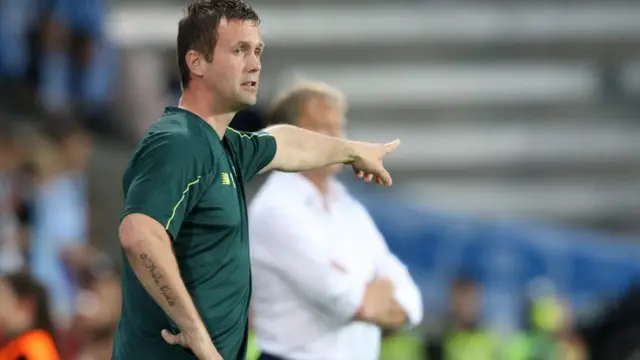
368	164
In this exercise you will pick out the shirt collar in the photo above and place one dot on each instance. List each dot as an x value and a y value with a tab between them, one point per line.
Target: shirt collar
305	189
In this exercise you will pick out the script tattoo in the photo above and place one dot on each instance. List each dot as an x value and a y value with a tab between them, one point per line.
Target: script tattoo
148	263
166	292
155	275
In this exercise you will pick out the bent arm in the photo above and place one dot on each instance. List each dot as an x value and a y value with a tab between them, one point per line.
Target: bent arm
287	248
292	248
148	248
300	149
394	318
406	308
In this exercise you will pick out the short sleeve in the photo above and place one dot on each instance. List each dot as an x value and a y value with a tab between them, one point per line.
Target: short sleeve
255	150
163	179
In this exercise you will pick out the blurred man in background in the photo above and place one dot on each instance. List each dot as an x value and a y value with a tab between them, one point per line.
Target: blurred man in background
324	281
77	62
60	213
60	47
26	329
98	309
548	332
615	330
464	337
12	245
19	20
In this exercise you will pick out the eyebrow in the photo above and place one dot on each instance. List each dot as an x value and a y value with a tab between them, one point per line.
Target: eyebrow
248	44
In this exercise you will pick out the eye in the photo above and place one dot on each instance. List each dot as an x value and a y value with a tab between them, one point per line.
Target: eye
258	52
238	51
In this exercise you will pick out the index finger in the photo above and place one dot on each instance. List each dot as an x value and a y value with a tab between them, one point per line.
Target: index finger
391	146
384	177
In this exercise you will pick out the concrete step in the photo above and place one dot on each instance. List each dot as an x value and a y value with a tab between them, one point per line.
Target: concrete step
616	51
315	23
551	115
475	146
450	84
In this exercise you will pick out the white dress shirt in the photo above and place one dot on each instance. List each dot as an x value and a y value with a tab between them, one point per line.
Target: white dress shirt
312	257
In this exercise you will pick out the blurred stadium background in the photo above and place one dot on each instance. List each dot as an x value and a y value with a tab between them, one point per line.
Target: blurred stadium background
518	179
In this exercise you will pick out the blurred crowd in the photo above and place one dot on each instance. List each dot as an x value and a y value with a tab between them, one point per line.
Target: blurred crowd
547	330
55	56
55	65
53	279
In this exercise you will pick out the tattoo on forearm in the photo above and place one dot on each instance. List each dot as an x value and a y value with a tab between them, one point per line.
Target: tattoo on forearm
148	263
155	275
166	292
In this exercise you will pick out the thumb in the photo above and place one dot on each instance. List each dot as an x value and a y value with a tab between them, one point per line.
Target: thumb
391	146
170	338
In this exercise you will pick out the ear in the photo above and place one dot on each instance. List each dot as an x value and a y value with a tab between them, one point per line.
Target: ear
195	62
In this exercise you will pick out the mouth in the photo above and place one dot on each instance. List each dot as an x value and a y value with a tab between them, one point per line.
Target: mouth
250	84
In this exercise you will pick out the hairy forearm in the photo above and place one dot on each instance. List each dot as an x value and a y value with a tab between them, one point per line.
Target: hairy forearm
300	149
155	265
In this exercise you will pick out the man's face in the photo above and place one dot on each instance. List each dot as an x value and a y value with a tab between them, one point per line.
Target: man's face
13	314
233	75
466	303
326	118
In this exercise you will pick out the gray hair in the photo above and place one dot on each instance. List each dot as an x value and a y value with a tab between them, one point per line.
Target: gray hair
288	105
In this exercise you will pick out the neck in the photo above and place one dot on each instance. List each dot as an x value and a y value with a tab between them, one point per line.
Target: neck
201	103
321	182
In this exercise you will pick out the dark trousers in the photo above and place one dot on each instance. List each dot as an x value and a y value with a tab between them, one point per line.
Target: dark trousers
264	356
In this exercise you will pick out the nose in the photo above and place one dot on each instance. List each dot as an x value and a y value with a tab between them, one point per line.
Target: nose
254	64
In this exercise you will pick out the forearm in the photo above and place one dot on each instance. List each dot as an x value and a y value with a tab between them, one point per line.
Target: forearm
394	318
155	265
300	149
376	302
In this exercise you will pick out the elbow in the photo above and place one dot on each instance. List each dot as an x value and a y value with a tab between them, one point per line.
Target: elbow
128	239
415	312
415	317
134	234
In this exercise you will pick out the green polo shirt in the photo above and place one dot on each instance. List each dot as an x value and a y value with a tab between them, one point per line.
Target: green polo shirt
192	182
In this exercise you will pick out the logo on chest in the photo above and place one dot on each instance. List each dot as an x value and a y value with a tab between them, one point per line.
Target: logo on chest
227	179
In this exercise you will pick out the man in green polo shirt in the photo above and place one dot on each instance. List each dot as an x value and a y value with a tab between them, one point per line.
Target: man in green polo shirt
187	278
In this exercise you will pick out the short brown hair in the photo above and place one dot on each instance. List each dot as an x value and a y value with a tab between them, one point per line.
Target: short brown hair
288	105
26	286
197	30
